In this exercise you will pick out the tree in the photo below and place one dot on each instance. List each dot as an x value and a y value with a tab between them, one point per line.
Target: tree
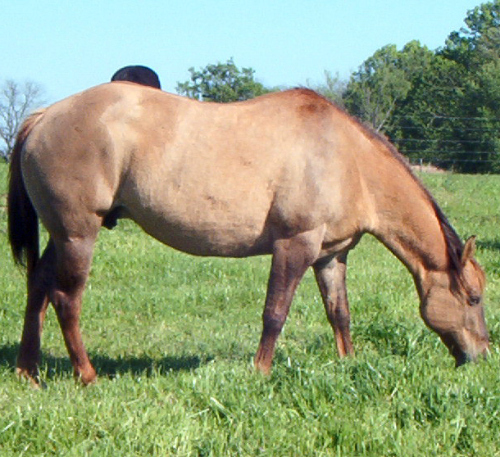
377	86
441	106
479	40
16	102
333	88
222	82
475	49
424	123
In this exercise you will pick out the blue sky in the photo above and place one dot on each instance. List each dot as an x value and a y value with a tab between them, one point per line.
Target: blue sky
68	46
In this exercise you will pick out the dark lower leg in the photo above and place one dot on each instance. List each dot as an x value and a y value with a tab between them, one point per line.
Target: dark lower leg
28	358
291	258
273	318
29	351
73	265
331	279
68	308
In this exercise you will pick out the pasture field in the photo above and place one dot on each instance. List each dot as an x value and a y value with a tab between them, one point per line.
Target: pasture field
173	336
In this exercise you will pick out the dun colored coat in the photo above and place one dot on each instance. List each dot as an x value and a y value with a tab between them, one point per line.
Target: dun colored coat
287	174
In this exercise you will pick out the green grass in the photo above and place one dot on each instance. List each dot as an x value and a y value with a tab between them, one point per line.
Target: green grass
173	336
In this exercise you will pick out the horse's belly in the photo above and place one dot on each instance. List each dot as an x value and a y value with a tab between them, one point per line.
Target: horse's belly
226	234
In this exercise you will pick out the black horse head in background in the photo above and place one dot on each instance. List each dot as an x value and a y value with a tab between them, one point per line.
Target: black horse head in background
137	74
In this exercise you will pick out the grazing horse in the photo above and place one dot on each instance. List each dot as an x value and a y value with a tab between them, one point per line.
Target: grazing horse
287	174
137	74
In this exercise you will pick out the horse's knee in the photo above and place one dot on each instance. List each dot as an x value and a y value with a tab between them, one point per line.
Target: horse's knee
67	307
341	317
273	323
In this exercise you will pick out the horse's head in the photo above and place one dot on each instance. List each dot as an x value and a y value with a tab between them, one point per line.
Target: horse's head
452	306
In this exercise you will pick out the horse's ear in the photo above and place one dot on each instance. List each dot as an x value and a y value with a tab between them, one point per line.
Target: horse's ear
469	250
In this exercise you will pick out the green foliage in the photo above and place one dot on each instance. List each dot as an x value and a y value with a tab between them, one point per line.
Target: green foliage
475	50
333	88
377	86
480	40
172	337
222	82
441	106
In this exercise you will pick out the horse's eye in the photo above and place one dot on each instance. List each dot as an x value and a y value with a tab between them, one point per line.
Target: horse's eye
474	300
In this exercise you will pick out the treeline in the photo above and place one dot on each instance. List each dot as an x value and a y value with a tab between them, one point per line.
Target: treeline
440	107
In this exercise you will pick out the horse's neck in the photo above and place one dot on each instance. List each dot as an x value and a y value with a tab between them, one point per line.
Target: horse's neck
407	221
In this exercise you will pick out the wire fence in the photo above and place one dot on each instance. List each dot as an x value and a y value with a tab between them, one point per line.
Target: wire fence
470	144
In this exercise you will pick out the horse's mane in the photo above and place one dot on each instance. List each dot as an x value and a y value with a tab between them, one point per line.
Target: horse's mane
454	244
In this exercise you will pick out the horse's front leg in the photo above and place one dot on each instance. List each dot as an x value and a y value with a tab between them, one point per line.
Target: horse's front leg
291	258
331	279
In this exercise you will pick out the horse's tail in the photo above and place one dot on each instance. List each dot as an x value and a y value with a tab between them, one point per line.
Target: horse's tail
22	217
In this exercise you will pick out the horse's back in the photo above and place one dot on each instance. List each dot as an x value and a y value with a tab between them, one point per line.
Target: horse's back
218	179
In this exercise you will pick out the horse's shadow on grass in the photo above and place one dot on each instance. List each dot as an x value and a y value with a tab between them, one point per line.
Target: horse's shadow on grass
107	367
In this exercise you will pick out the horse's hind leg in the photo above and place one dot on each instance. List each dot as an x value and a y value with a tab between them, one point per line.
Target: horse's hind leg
72	268
38	285
291	258
331	279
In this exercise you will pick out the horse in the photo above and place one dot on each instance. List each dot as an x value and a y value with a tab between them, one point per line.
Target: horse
287	174
137	74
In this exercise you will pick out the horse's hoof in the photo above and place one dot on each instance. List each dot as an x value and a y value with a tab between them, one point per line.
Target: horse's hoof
86	378
264	370
32	376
